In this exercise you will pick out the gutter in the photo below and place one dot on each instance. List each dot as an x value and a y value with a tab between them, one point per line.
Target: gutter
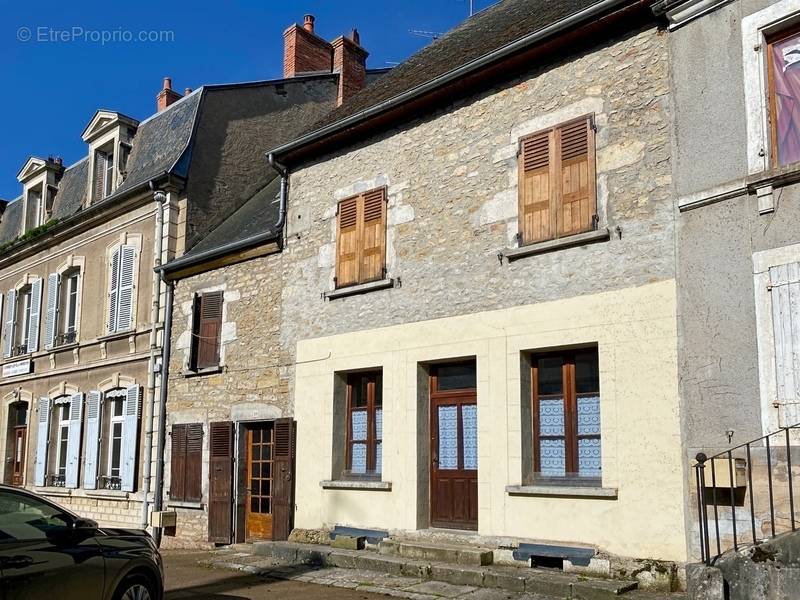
451	76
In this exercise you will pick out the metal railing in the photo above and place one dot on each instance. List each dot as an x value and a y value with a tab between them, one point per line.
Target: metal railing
784	443
64	339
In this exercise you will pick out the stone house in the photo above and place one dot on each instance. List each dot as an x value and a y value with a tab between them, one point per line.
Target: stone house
469	309
735	172
84	311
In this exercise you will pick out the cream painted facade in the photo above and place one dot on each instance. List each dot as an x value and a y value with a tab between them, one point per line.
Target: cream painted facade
635	333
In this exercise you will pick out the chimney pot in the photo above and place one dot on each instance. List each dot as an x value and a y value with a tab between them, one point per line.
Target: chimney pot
187	91
58	160
167	83
355	37
167	95
308	23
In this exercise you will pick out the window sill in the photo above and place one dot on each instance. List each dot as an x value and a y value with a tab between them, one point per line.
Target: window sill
62	348
381	486
185	505
117	335
580	239
188	373
362	288
53	491
562	491
114	494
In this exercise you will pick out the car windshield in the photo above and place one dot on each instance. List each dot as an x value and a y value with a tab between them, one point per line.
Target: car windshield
25	518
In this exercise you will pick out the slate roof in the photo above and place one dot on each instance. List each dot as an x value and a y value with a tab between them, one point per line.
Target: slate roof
11	221
481	34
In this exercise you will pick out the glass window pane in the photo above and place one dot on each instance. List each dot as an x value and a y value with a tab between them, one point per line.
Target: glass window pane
254	504
265	506
255	470
552	457
587	379
117	408
359	425
22	414
551	416
265	487
786	101
379	424
448	437
550	375
378	457
469	417
589	457
358	389
589	415
358	462
456	377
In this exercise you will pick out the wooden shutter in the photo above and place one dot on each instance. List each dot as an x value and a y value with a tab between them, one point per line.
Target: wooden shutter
177	482
42	436
99	175
130	439
220	489
94	413
113	290
576	209
36	309
8	321
51	309
373	236
283	479
74	441
785	292
535	215
127	266
194	463
347	243
209	329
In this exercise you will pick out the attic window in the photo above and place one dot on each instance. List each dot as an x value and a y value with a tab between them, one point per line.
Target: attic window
103	184
33	208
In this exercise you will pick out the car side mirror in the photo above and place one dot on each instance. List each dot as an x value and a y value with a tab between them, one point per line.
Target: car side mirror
83	524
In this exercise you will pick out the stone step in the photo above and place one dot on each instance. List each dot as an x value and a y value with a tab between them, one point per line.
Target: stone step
443	553
516	579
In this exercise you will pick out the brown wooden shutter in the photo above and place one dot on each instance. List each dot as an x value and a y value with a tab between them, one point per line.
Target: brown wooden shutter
209	328
576	178
373	235
220	489
99	175
177	485
283	479
535	197
347	243
193	490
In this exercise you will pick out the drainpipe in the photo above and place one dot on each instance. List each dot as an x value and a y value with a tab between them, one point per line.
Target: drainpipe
281	170
160	198
162	401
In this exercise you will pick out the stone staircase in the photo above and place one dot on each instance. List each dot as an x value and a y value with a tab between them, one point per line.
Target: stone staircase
453	564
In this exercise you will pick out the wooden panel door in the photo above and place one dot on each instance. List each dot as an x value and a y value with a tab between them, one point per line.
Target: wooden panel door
283	479
454	443
258	504
220	502
18	459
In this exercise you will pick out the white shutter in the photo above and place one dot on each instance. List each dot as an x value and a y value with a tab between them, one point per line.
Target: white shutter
42	436
74	441
785	280
51	310
10	317
130	438
113	286
125	291
94	408
36	309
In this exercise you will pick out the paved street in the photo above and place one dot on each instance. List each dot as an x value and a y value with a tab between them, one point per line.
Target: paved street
186	579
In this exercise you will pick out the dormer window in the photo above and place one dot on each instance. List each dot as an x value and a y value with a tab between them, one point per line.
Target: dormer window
33	208
103	173
109	135
39	179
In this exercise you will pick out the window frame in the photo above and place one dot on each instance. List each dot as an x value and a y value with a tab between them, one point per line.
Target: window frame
556	198
570	399
770	40
22	333
72	293
197	318
373	470
112	421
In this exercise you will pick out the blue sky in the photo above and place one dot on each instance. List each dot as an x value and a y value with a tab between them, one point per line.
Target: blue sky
51	86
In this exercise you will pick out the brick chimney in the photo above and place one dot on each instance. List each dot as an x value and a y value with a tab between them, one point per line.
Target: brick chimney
350	61
167	95
305	52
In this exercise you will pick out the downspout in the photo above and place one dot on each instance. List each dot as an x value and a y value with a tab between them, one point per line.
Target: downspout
162	401
160	198
280	170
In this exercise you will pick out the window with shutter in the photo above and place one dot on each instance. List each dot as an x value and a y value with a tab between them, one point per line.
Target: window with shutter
206	330
186	463
9	320
785	295
783	80
557	184
94	408
121	278
361	238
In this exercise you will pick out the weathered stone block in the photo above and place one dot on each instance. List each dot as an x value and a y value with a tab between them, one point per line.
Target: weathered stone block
704	583
348	542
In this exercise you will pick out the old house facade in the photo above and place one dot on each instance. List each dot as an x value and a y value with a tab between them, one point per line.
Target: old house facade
470	308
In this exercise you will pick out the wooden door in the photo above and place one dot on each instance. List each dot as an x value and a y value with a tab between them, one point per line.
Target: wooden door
18	459
260	450
283	480
220	502
454	447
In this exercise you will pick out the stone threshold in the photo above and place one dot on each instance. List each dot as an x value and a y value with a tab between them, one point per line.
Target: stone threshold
562	491
341	484
278	559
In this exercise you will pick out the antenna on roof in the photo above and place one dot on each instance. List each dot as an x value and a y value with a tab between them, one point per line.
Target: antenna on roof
471	7
434	35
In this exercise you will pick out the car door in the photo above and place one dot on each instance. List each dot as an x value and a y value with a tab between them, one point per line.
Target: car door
42	555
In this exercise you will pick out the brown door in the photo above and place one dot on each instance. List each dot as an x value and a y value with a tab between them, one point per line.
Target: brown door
283	468
454	446
260	449
18	460
220	503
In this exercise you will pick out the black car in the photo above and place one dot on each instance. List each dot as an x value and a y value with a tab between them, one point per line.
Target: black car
50	553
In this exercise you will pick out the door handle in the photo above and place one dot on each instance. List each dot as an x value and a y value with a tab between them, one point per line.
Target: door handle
16	562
